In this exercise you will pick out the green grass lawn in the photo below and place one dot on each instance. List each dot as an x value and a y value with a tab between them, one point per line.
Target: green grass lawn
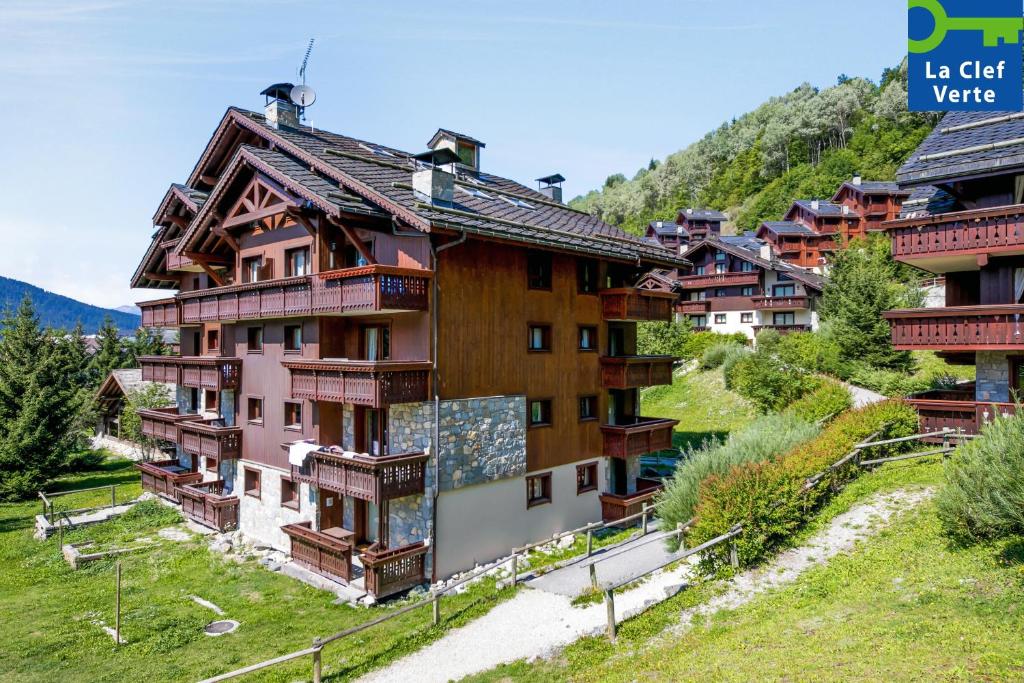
49	609
905	606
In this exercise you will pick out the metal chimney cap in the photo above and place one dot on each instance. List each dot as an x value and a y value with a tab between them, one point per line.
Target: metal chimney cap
437	157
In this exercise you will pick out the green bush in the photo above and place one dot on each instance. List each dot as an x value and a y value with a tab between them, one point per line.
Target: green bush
983	495
663	338
767	382
827	401
767	498
699	342
716	355
812	351
768	340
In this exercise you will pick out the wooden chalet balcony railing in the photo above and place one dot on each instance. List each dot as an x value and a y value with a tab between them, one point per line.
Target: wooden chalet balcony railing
718	280
324	554
962	328
955	409
206	504
164	477
693	307
982	230
202	372
630	372
615	507
210	440
782	329
376	384
362	476
176	261
160	313
162	423
781	303
391	571
644	435
362	290
632	303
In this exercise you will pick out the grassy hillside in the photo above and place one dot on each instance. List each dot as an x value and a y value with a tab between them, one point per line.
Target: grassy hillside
59	311
800	145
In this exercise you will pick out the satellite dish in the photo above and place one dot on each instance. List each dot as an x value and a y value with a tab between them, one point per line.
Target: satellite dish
303	95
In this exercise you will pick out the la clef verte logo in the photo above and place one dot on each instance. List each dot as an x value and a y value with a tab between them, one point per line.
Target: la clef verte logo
965	55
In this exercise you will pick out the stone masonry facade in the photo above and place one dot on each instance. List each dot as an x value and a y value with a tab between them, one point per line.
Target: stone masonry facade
993	377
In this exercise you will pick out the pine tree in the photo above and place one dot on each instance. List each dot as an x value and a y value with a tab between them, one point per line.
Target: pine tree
146	343
111	353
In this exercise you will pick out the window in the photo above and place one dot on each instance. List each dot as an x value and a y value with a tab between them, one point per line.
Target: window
783	318
698	270
746	318
538	270
538	489
254	339
720	268
293	338
210	464
746	267
747	291
719	318
296	262
195	282
702	295
538	338
721	291
251	268
193	400
586	276
540	413
252	483
212	340
588	408
699	320
588	338
292	415
373	438
376	341
255	410
586	477
720	257
289	494
467	154
210	399
783	290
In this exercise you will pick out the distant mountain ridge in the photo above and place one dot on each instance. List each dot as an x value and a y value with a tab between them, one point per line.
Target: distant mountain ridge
56	310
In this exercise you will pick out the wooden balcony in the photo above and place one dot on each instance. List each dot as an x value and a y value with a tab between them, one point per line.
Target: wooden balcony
993	230
953	409
178	261
719	280
350	291
645	435
160	313
782	329
162	423
781	303
615	507
209	439
632	303
961	328
201	372
391	571
206	504
322	553
693	307
376	384
367	477
630	372
164	477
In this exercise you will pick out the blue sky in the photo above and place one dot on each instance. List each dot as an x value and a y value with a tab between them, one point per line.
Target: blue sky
107	101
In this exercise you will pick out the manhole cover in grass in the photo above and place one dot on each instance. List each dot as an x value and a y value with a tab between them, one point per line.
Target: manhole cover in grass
220	627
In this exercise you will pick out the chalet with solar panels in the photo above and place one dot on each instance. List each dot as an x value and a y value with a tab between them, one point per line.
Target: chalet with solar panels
393	366
966	222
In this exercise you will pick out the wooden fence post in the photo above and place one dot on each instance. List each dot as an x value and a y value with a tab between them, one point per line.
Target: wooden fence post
609	601
644	520
590	541
60	536
437	609
734	555
113	497
515	566
593	575
317	660
117	609
680	536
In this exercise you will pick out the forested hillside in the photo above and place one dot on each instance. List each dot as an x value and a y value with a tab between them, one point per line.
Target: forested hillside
59	311
800	145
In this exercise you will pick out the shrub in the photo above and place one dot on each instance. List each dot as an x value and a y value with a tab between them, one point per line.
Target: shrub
766	497
715	356
828	400
663	338
700	342
983	495
812	351
768	341
766	382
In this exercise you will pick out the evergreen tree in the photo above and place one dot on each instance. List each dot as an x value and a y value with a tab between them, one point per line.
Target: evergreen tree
146	343
111	353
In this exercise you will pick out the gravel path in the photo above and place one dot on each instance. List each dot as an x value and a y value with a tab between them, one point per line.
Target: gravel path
863	397
536	623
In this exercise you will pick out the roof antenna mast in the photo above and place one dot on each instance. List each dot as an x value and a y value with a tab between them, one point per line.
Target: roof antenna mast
305	60
303	95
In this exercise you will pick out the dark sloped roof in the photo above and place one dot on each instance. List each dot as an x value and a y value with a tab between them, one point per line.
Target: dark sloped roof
748	248
666	228
788	228
927	200
825	207
967	143
873	187
702	215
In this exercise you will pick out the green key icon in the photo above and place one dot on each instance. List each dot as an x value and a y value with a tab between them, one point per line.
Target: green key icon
994	29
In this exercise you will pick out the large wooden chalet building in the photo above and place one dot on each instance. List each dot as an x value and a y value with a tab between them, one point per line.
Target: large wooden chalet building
967	222
393	366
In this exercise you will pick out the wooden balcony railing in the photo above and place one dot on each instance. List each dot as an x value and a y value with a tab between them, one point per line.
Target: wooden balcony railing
718	280
781	303
968	416
782	329
963	328
632	303
202	372
162	423
362	290
376	384
693	307
319	552
962	232
644	435
210	439
160	313
367	477
164	477
391	571
206	504
177	261
630	372
615	507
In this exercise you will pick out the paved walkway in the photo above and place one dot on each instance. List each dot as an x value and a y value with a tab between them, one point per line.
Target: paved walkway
863	397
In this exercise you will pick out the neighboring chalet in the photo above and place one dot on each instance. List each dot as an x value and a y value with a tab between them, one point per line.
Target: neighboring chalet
394	366
874	201
967	223
701	223
736	285
669	235
111	398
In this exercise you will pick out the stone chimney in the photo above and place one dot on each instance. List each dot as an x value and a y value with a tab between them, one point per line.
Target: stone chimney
856	179
551	187
815	204
279	108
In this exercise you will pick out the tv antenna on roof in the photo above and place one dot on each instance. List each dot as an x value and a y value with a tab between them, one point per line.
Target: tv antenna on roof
303	95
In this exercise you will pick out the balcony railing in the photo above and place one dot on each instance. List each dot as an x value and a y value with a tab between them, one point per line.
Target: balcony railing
162	423
630	372
387	572
782	329
693	307
160	313
981	230
632	303
362	476
201	372
324	554
206	504
615	507
164	477
351	291
210	440
962	328
718	280
644	435
781	303
940	410
376	384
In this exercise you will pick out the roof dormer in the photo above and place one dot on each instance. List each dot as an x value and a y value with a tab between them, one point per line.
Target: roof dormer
466	147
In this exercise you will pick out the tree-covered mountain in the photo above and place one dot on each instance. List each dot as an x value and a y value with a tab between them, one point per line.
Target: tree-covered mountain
59	311
800	145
